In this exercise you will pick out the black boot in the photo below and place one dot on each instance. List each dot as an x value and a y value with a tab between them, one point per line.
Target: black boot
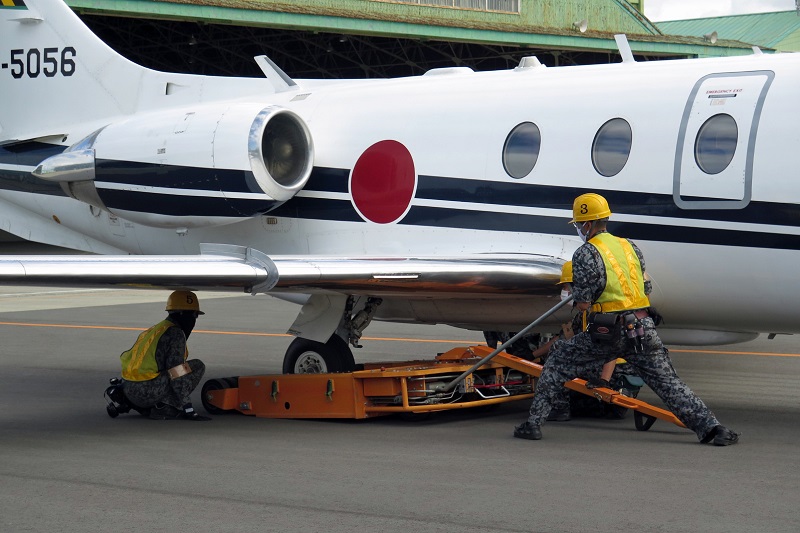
162	411
725	437
720	436
528	431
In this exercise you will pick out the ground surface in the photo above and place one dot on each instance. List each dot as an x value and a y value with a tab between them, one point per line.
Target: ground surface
66	466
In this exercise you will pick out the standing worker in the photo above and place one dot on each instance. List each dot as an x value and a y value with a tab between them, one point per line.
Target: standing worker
608	279
155	370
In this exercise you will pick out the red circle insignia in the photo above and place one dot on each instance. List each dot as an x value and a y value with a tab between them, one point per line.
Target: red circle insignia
383	182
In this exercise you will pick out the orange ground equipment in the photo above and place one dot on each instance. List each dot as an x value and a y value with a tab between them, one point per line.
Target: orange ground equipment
402	387
462	377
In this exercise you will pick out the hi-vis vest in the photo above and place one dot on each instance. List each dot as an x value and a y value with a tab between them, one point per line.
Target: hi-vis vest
139	363
624	279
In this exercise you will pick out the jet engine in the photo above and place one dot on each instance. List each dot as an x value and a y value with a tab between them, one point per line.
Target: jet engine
212	165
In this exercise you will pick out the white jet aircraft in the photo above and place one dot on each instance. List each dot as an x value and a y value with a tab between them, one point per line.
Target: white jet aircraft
441	198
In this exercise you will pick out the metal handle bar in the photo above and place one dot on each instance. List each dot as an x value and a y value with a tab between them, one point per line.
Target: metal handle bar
503	346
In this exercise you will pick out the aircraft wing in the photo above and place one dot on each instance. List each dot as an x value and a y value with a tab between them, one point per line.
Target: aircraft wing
230	267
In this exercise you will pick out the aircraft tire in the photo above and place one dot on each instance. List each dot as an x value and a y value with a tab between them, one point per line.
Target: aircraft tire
310	357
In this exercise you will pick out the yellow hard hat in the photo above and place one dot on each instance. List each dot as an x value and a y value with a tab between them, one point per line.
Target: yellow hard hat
566	273
589	206
183	301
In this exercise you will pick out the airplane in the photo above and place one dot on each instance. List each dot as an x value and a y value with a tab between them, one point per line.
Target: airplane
435	199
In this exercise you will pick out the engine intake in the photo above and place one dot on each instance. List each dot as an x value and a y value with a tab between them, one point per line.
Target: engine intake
281	152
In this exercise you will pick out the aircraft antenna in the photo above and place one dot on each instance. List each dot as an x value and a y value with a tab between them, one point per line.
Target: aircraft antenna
624	48
278	78
529	62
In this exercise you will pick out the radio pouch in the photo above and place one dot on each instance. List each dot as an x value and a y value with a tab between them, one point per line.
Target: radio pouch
603	328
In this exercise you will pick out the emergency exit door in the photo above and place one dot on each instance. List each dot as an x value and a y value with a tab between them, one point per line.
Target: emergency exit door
717	140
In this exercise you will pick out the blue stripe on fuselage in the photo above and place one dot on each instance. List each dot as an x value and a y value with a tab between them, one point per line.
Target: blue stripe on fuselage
175	177
630	203
491	221
446	189
27	154
15	180
184	206
328	180
318	209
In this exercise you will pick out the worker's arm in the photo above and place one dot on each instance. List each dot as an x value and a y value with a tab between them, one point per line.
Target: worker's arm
605	376
542	350
171	348
565	333
170	354
608	370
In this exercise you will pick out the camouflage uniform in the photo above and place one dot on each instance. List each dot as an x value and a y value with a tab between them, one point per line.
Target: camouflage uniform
561	398
582	357
176	393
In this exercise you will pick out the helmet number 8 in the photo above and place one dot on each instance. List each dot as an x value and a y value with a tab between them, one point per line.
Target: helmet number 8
584	209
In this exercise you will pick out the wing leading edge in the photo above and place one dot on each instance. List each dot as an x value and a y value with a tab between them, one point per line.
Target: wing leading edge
231	267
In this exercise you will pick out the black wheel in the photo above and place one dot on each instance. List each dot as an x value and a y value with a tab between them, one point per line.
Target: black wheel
208	389
309	357
112	411
231	383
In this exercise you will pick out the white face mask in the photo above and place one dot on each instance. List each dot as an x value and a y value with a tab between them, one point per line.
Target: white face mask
564	294
580	233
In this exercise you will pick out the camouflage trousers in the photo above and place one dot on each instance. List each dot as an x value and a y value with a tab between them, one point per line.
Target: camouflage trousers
582	357
173	392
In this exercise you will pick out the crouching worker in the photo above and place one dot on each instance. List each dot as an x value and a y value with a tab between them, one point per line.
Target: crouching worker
155	370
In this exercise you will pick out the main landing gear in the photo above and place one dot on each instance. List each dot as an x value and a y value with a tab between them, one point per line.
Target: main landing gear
310	357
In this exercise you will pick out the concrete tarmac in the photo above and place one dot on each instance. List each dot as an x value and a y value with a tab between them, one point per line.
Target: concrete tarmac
66	466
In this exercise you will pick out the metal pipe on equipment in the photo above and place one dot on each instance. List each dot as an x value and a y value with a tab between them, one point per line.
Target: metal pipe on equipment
503	346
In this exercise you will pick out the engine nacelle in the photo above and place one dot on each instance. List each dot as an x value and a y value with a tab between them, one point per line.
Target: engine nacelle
212	165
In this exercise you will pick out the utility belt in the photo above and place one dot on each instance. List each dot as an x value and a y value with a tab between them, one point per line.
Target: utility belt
608	328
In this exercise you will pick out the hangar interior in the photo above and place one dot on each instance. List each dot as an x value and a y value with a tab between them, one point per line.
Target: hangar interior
380	38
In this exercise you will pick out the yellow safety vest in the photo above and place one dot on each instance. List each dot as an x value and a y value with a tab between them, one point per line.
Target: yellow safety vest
624	288
139	363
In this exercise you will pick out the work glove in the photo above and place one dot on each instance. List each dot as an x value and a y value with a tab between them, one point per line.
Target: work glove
595	383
